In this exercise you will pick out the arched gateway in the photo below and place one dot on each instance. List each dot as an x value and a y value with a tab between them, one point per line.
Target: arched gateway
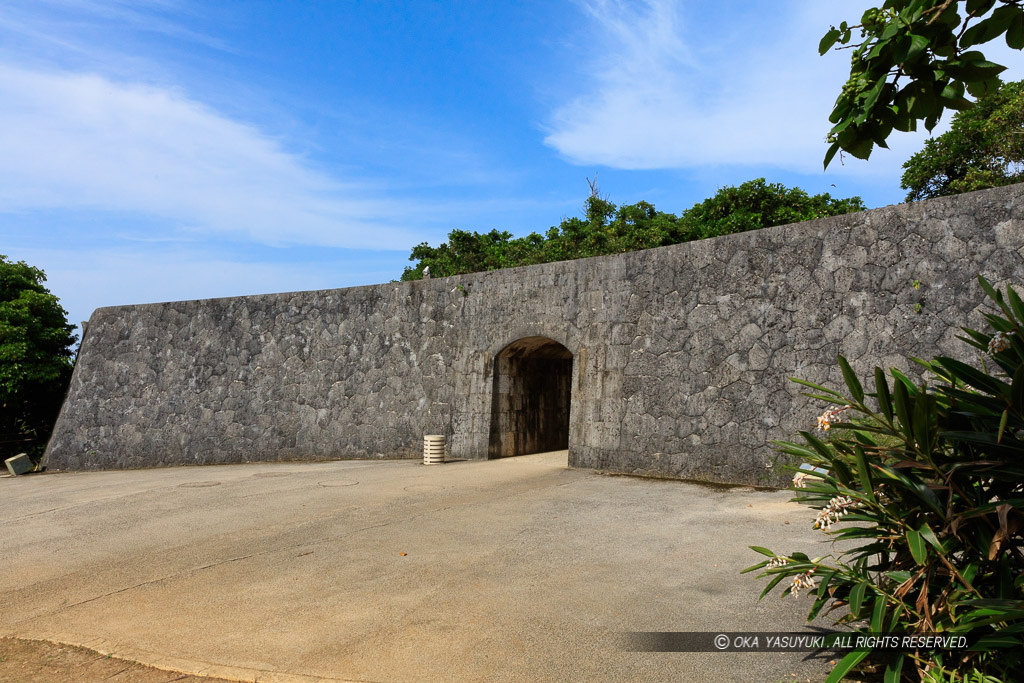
531	396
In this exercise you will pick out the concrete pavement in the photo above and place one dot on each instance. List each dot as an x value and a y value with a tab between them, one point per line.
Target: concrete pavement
513	569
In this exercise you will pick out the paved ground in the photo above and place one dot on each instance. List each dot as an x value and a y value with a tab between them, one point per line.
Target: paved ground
516	569
36	661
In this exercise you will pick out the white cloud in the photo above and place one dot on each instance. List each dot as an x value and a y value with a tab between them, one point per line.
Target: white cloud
84	142
675	90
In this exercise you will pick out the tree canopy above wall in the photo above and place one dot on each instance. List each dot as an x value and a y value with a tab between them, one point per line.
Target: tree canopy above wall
609	229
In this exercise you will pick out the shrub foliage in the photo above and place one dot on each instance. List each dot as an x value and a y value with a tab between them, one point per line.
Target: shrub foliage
609	229
983	148
35	359
923	486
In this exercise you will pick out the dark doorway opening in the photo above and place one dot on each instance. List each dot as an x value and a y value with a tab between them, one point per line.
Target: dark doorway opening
530	401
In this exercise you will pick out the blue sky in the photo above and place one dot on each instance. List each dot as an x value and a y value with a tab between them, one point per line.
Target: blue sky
155	150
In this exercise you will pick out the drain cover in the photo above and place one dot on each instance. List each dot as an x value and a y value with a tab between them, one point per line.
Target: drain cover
198	484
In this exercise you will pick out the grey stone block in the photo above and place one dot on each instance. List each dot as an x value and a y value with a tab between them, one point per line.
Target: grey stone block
19	464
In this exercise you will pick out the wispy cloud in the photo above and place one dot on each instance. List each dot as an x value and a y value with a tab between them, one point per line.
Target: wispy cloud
83	141
675	89
70	23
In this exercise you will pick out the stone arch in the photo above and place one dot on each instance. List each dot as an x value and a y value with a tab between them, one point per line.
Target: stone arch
531	398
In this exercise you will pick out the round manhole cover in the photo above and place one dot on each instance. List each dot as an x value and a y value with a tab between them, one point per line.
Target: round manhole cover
338	482
198	484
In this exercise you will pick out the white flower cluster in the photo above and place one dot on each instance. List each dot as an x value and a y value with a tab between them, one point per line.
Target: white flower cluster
1000	341
826	419
808	472
837	507
776	562
803	581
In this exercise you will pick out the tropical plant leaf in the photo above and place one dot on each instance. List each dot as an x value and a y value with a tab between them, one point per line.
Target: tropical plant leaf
771	584
1016	305
818	387
917	546
864	472
924	422
857	598
1017	390
928	535
878	614
827	41
894	670
882	394
852	659
995	296
852	382
899	576
907	383
974	377
902	406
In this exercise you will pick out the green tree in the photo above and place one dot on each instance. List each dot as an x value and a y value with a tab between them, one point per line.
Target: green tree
35	359
758	204
466	252
984	148
915	59
609	229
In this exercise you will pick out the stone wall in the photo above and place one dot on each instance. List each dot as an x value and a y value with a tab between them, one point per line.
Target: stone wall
680	355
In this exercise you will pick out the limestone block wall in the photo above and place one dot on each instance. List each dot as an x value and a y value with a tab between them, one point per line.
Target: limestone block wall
680	355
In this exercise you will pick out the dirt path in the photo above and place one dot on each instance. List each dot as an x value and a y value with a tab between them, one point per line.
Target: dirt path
36	661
